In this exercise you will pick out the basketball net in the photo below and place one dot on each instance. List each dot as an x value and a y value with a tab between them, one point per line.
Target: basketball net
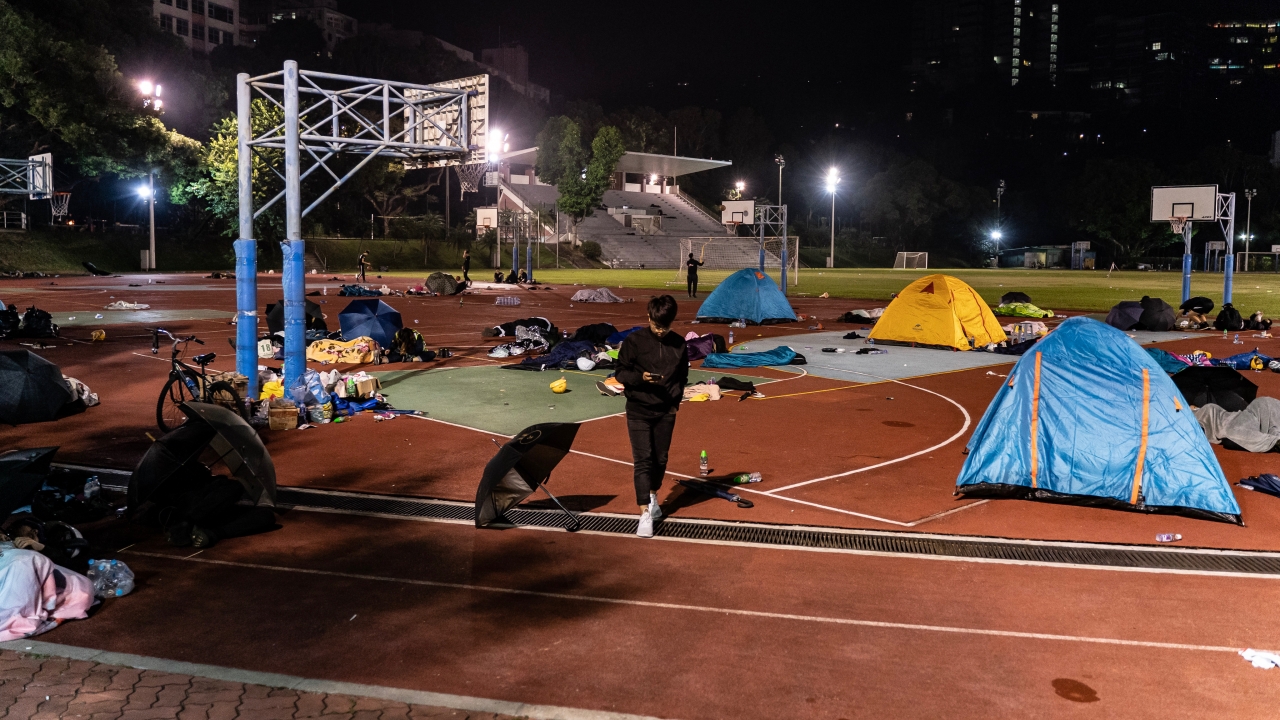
469	176
60	201
1177	224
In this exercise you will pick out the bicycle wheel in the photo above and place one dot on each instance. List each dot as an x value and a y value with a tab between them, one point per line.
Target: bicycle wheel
223	394
168	415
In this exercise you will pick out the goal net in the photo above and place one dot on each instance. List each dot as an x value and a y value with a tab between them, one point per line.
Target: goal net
911	261
723	256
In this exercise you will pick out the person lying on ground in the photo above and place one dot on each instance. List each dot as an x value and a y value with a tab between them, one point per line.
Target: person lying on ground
1256	428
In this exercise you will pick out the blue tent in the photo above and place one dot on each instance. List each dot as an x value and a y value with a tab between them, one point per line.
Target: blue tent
747	295
370	318
1088	417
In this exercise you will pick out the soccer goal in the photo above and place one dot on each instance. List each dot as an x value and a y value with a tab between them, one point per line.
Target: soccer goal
911	261
723	256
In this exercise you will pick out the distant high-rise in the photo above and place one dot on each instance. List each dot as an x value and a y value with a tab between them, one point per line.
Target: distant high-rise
957	44
202	24
1146	60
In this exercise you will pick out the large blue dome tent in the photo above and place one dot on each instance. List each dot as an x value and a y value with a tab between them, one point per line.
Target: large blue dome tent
1089	417
747	295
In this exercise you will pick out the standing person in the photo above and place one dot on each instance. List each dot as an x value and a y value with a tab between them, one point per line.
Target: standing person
362	263
653	369
466	267
691	275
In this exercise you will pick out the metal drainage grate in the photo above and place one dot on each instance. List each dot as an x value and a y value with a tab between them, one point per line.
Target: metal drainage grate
806	537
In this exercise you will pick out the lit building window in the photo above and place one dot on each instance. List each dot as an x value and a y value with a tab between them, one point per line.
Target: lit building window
1017	32
999	59
1155	46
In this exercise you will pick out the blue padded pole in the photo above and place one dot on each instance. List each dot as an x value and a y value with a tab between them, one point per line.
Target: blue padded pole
1186	277
293	249
246	247
1228	277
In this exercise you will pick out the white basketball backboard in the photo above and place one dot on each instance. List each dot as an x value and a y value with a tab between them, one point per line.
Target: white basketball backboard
486	217
431	130
40	176
1197	203
738	212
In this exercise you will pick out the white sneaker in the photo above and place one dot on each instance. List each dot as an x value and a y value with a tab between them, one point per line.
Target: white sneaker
645	528
654	511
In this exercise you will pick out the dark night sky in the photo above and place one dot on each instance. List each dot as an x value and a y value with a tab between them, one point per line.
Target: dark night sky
731	55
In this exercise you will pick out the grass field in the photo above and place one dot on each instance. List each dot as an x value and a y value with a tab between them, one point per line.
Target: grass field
1053	289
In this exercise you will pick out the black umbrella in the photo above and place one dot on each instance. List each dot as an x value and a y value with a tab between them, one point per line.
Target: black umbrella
31	388
370	317
179	454
522	466
275	317
1221	386
1125	315
22	472
1197	304
1157	315
1265	483
1014	297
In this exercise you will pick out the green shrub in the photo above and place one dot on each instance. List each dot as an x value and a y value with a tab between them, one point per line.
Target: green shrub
591	250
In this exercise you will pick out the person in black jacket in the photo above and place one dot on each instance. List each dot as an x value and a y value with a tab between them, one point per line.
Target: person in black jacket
691	275
653	369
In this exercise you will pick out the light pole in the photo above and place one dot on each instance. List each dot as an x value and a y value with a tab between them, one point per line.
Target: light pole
833	179
781	164
996	235
1248	220
148	192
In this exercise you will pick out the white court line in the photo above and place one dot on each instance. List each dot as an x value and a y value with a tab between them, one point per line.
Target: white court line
818	619
944	443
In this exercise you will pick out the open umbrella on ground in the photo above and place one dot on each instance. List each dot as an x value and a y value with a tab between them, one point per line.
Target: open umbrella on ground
442	284
229	439
371	318
1014	297
1157	315
275	317
1221	386
31	388
1126	315
522	466
22	472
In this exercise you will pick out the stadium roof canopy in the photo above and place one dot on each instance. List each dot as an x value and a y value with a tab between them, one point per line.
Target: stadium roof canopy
635	162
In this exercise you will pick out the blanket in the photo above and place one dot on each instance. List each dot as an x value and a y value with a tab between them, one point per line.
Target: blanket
1256	428
358	291
30	600
564	355
1021	309
359	350
781	355
601	295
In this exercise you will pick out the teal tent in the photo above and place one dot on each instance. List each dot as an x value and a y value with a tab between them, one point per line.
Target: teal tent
1088	417
747	295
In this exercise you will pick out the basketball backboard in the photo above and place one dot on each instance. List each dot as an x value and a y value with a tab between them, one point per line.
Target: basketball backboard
1197	203
40	176
486	218
738	212
445	122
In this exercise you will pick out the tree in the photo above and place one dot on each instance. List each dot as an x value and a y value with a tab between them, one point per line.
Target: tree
381	183
1112	202
560	152
579	194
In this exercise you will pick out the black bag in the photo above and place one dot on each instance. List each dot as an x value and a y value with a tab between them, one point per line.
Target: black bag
37	323
1228	319
10	321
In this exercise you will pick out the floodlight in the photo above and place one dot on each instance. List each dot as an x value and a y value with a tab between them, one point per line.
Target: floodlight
996	235
157	91
144	191
740	186
145	87
159	104
653	178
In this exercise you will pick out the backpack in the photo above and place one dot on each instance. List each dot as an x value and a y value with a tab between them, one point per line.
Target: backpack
37	323
10	321
1228	319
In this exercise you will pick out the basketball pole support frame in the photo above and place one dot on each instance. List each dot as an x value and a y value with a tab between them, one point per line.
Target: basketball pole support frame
423	107
771	219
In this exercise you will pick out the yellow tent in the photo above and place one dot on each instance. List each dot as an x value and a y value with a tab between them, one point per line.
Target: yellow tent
940	311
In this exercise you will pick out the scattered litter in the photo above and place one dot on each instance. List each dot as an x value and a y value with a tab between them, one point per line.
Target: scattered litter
1261	658
1168	537
507	300
98	335
123	305
99	317
996	374
825	295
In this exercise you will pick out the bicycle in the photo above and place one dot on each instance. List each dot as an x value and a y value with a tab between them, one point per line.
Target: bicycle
187	384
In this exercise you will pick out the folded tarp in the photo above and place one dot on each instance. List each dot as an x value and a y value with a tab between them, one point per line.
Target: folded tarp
602	295
781	355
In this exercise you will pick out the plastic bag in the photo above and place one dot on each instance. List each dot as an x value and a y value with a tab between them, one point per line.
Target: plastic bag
271	390
111	578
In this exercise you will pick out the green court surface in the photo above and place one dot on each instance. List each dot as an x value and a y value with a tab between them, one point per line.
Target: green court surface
504	401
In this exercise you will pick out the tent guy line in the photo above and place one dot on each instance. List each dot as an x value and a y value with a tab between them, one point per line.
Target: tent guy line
767	615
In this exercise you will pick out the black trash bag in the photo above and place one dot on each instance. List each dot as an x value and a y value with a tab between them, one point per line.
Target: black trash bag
1228	319
10	321
93	269
37	323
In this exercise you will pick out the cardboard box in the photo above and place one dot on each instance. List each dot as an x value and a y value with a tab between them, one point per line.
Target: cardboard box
366	388
239	382
282	415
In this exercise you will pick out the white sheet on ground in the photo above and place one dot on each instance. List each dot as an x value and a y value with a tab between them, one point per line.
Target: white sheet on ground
1256	428
601	295
29	599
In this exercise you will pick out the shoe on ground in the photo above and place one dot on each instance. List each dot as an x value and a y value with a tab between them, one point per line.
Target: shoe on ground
654	511
201	538
501	351
179	534
645	528
517	350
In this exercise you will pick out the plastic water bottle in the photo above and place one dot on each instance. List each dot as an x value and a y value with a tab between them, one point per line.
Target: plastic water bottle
746	478
1168	537
91	488
111	578
1237	340
704	468
730	337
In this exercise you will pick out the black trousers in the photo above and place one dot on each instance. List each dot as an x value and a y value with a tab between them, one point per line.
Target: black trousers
650	442
692	283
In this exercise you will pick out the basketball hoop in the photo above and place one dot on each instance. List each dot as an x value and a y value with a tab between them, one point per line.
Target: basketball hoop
469	176
1177	224
60	201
